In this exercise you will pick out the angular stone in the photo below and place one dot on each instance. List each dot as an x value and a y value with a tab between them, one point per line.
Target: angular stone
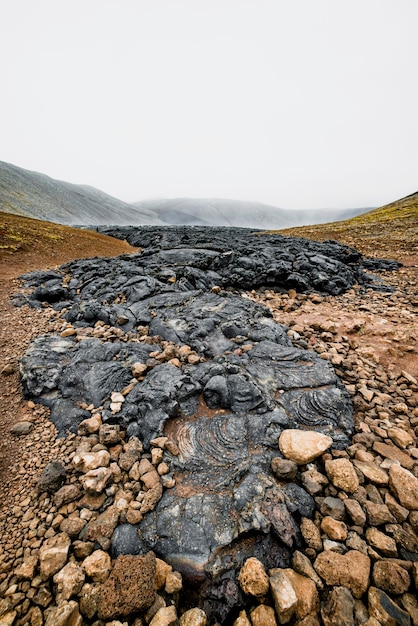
355	512
21	428
97	566
284	596
351	570
53	554
65	614
378	514
303	446
387	612
135	575
72	526
401	437
102	526
397	510
372	472
86	461
381	542
253	578
173	583
90	425
338	609
109	434
27	569
391	577
89	599
342	475
302	565
284	469
164	616
404	485
306	593
193	617
311	534
95	481
52	477
392	452
69	580
334	529
67	493
263	615
242	620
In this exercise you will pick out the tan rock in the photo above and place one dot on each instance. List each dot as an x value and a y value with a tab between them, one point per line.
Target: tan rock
404	486
306	593
338	608
311	534
372	472
253	578
69	581
96	480
97	566
135	575
334	529
86	461
383	609
162	569
90	426
351	570
381	542
152	496
72	526
355	511
302	565
151	479
102	526
242	620
89	598
65	614
342	474
303	446
173	582
284	596
8	618
138	369
109	434
378	514
53	554
391	577
263	615
27	569
401	437
392	452
193	617
164	616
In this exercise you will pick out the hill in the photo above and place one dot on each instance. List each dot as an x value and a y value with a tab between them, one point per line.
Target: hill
391	230
221	212
35	195
28	244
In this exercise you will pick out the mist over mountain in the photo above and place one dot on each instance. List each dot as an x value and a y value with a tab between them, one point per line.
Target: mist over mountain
31	194
35	195
220	212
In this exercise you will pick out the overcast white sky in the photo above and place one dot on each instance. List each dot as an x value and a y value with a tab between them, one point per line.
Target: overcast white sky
298	103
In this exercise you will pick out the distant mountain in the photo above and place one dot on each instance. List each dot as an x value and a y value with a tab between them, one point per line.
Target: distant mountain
219	212
35	195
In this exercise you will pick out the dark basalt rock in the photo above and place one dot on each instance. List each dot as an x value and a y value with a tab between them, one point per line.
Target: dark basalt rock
225	413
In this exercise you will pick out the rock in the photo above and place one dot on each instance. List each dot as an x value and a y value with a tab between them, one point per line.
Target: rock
397	510
110	434
302	446
392	452
342	475
311	534
162	569
103	526
135	575
86	461
89	599
97	566
284	596
65	614
355	511
378	514
90	425
21	428
404	486
72	526
306	593
302	565
164	617
253	578
391	577
334	507
69	581
313	481
381	542
338	609
173	583
410	604
401	437
372	472
8	618
242	620
95	481
387	612
27	569
52	477
334	529
53	555
263	615
67	493
351	570
284	469
193	617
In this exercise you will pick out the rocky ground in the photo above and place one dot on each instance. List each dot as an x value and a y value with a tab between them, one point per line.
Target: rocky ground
358	563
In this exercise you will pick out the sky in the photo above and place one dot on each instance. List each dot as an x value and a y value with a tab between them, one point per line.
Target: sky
296	103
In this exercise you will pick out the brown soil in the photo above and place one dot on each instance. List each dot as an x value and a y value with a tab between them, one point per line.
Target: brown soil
26	245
